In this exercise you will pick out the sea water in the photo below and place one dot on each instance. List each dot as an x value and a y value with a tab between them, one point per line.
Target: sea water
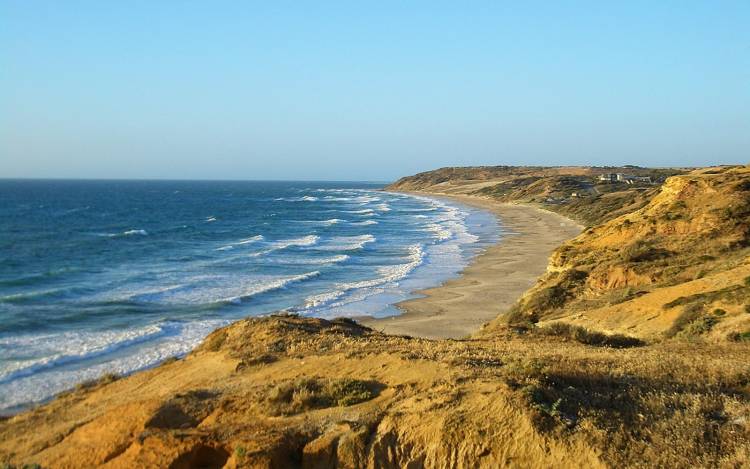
115	276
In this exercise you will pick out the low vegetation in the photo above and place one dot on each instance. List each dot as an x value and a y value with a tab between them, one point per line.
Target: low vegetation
667	406
588	337
315	393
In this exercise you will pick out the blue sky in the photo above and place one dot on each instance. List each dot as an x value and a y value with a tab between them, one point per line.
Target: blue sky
367	90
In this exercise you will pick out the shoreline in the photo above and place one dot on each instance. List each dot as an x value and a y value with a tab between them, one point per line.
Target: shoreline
488	286
494	280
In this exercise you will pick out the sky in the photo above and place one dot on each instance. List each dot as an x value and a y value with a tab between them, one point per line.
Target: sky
327	90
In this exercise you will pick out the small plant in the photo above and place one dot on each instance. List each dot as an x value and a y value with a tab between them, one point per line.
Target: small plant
740	336
240	452
642	251
104	379
699	327
690	314
547	299
719	312
314	393
216	340
588	337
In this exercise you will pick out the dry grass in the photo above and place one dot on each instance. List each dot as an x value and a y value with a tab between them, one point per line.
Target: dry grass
669	404
664	405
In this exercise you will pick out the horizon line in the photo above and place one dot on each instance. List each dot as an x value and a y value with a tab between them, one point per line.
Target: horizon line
183	180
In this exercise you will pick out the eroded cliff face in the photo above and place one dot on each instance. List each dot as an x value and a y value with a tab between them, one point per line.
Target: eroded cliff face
693	237
286	391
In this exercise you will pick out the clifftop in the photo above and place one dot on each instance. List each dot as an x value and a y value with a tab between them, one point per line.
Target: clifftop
576	192
286	391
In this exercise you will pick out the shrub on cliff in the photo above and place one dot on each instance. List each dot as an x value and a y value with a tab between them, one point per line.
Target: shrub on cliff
315	393
589	337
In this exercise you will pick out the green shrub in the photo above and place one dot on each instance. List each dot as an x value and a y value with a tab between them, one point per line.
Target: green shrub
518	318
699	327
547	299
740	336
555	296
314	393
642	251
346	392
690	314
216	340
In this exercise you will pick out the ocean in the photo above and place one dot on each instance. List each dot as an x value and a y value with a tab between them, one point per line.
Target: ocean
104	277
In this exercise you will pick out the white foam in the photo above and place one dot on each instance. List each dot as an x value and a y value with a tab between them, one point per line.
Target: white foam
241	242
213	289
366	199
287	243
364	211
314	260
129	233
19	297
364	223
252	239
441	233
388	274
176	339
328	222
58	349
346	243
307	198
321	299
210	219
268	286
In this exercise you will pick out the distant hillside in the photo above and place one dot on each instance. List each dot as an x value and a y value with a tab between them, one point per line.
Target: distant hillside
576	192
677	265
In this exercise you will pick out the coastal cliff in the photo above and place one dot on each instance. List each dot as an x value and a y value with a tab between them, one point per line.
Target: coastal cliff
630	351
680	265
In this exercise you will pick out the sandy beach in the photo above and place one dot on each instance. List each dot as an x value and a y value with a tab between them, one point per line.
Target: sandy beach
494	280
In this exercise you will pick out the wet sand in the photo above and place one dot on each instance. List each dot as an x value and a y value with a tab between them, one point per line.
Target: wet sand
492	283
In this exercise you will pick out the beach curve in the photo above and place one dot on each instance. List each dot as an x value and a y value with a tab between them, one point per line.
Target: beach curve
494	280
